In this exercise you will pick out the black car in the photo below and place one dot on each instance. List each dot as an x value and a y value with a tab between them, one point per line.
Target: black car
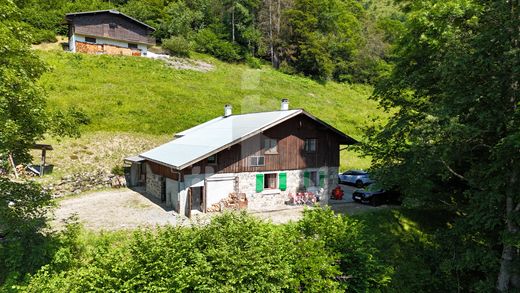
375	195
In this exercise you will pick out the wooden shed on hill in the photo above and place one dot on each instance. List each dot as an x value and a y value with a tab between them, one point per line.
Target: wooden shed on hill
108	32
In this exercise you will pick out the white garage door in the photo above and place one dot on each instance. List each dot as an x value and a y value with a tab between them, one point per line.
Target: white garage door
218	188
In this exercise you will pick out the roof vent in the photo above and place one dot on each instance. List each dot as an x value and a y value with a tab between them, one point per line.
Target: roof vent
228	110
285	105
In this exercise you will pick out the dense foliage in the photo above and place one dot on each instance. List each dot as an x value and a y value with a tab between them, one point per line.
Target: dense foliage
23	114
24	210
454	139
235	252
344	40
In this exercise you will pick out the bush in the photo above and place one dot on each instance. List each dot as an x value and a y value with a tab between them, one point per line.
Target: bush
177	46
235	252
253	62
209	42
118	170
24	208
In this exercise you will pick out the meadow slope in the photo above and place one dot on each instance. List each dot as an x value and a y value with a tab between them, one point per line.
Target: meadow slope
144	96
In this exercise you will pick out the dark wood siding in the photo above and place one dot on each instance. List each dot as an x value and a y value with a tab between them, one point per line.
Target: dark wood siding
163	170
111	26
290	155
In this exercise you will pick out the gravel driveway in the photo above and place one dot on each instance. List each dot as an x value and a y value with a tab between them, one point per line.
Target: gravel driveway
128	209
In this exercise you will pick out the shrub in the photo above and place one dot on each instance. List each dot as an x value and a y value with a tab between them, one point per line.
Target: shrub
177	46
118	170
24	208
253	62
209	42
235	252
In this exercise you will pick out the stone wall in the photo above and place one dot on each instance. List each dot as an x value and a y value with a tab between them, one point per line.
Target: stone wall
273	199
85	181
154	183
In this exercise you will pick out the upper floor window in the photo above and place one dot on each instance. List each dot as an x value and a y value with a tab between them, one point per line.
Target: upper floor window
257	161
271	146
132	46
90	40
212	159
112	25
310	145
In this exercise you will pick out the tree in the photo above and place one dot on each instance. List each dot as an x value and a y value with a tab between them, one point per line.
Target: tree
23	114
454	137
324	33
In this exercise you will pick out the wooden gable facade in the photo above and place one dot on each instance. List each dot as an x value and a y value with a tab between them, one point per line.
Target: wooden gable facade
110	25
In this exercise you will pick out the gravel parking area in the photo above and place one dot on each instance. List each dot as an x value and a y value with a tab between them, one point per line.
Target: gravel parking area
128	209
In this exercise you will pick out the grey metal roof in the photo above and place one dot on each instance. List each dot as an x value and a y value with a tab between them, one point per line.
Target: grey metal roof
112	12
211	137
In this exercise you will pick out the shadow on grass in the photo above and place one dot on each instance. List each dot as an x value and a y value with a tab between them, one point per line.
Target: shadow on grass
405	239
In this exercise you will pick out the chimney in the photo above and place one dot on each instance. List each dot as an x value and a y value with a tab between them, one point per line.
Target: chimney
285	105
228	110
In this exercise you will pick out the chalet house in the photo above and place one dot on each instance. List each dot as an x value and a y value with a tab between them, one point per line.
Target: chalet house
267	156
108	32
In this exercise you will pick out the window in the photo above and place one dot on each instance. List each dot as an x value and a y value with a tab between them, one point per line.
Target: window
257	161
310	145
90	40
112	25
313	179
271	146
132	46
212	159
270	181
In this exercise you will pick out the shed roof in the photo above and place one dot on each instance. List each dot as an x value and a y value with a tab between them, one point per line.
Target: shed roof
115	12
211	137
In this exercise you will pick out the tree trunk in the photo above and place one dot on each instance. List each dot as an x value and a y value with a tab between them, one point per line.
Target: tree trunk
271	46
233	22
507	277
11	161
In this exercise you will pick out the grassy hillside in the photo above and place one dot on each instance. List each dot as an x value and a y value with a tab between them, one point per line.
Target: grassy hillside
140	95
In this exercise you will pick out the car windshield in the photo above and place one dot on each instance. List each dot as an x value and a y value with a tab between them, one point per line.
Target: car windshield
373	187
354	172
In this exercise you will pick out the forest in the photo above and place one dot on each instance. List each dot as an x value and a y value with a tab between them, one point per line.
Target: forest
447	73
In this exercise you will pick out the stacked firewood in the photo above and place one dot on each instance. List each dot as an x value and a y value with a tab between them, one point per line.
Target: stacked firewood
234	201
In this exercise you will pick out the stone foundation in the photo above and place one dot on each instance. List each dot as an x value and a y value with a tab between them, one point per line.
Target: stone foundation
269	199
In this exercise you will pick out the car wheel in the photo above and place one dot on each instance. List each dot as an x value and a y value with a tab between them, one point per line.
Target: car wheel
359	183
374	202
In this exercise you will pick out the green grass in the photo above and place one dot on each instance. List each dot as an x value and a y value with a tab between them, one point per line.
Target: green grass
404	239
139	95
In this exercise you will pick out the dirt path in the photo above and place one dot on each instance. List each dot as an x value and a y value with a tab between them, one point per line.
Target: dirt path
115	209
128	209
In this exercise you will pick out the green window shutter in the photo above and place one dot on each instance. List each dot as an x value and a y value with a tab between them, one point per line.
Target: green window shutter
283	181
259	182
306	179
322	179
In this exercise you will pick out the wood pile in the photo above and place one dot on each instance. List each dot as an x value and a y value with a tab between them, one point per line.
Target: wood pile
105	49
234	201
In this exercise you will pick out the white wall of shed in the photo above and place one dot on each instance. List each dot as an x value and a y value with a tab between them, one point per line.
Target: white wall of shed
217	190
172	193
